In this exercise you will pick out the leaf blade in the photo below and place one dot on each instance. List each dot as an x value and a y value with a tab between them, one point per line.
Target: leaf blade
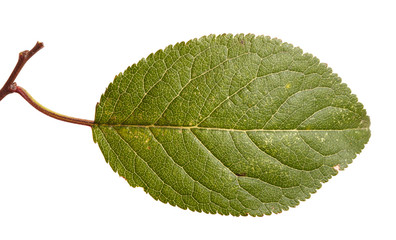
230	124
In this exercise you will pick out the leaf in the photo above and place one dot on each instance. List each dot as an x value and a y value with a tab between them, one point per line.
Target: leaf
239	125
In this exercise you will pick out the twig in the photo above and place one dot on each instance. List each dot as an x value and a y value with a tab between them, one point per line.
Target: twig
10	87
23	58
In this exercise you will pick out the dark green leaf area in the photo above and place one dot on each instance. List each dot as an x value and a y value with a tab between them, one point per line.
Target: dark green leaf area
239	125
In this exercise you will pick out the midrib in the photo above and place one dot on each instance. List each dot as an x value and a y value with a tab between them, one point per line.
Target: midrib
228	129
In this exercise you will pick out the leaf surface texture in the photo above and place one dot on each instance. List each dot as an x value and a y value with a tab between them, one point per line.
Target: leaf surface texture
241	125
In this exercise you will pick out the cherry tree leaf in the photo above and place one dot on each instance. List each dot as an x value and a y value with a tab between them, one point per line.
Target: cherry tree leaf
241	125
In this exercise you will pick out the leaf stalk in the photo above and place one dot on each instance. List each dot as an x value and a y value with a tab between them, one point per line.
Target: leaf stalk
21	91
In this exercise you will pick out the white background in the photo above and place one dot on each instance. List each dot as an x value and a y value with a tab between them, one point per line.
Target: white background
54	182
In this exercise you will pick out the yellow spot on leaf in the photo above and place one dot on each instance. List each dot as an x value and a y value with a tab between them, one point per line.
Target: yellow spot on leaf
337	167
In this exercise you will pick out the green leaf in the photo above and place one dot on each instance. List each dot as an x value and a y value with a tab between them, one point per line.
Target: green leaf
239	125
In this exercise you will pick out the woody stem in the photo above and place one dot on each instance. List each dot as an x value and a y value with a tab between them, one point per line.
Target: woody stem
10	87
